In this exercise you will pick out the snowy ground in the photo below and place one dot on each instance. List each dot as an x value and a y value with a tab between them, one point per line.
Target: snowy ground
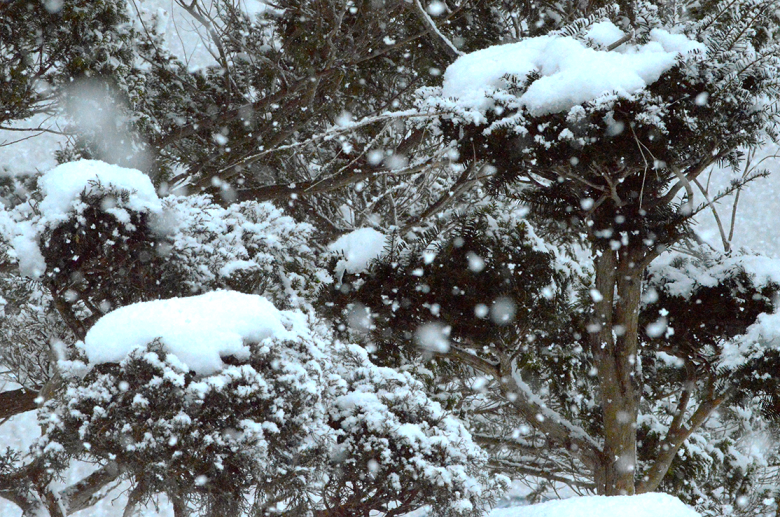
645	505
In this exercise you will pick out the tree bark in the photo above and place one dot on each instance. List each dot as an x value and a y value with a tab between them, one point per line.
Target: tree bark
17	401
81	495
675	438
614	341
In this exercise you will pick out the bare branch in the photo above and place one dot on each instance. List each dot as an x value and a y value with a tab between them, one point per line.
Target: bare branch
540	416
16	402
725	240
459	187
619	42
286	190
540	473
675	437
448	45
688	207
82	494
692	172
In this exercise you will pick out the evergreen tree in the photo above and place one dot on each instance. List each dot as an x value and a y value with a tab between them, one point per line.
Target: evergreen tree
611	169
540	291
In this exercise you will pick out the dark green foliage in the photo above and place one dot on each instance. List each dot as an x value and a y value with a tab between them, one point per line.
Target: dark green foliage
457	280
609	145
170	432
100	263
704	319
464	280
45	47
707	316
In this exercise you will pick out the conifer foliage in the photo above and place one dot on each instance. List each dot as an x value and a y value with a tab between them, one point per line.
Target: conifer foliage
373	257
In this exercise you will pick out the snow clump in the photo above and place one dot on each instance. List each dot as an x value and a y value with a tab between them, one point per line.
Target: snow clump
63	188
569	71
359	248
198	330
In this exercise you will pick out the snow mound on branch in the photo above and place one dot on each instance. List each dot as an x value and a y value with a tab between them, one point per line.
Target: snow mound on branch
125	189
63	185
645	505
198	330
682	279
359	248
571	72
761	337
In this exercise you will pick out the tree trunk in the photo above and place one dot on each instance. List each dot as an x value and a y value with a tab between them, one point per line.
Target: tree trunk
614	342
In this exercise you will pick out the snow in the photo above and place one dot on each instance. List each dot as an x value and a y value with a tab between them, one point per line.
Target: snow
761	337
572	73
644	505
197	330
682	281
604	33
433	336
62	186
359	248
25	247
254	8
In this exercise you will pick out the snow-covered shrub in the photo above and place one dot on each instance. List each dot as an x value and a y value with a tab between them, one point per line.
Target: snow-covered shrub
252	410
104	261
101	238
207	439
181	420
398	450
89	240
452	304
250	247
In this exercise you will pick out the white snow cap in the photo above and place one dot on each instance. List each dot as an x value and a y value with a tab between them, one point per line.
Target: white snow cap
761	337
62	185
198	330
645	505
359	247
682	281
572	73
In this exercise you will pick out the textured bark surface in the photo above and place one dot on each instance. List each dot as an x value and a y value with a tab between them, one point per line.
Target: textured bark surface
18	401
615	346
